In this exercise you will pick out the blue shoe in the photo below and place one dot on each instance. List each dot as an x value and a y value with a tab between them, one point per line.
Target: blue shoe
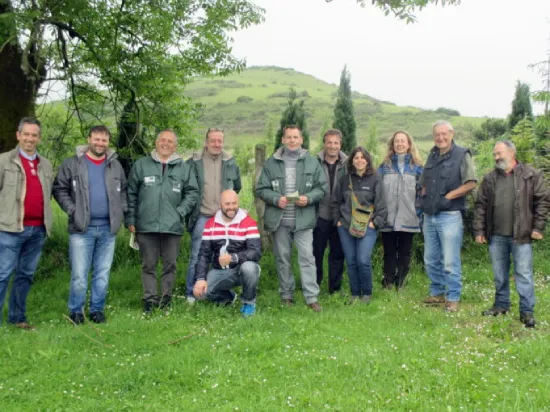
248	309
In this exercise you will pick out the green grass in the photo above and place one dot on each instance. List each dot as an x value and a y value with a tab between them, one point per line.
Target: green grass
394	354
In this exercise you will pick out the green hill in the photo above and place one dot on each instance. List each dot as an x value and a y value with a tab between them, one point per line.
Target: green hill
245	104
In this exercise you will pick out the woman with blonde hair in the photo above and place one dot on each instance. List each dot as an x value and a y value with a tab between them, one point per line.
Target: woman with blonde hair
399	173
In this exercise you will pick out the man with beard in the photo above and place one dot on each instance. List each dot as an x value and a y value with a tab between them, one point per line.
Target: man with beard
511	210
333	162
91	188
162	191
231	243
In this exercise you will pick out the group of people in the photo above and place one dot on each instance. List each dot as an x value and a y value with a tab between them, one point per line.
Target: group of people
312	202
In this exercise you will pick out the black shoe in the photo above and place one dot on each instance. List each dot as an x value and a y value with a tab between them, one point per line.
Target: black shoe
527	319
77	318
149	306
98	317
165	302
494	311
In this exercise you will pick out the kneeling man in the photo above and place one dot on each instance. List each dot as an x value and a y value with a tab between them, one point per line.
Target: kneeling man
231	243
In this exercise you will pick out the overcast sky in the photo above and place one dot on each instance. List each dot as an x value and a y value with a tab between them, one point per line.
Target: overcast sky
466	57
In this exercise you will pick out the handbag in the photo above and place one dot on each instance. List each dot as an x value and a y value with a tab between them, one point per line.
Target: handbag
360	215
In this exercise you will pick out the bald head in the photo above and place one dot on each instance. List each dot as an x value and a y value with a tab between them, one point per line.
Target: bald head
229	204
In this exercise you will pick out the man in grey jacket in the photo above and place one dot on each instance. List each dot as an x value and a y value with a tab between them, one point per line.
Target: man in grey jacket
91	188
25	190
333	162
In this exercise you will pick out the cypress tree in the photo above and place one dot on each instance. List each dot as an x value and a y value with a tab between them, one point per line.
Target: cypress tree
521	105
344	119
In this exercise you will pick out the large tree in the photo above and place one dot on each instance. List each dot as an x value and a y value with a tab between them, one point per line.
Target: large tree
294	114
404	9
344	119
521	105
114	56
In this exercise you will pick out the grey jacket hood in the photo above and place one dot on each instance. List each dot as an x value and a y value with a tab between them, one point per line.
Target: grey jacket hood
342	157
279	153
82	149
174	157
199	154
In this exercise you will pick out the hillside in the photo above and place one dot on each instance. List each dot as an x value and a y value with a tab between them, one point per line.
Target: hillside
245	104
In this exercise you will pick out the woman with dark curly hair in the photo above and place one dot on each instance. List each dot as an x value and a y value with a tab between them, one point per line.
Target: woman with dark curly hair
363	182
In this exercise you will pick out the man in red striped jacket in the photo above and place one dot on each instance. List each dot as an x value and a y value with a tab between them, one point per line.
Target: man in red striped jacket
231	243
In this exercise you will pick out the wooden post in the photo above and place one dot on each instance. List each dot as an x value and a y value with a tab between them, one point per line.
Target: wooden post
259	203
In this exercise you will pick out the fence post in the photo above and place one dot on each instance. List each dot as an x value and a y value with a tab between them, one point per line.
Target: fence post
260	151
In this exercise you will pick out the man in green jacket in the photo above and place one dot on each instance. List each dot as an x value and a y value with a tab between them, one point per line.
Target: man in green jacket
292	184
26	216
216	171
162	191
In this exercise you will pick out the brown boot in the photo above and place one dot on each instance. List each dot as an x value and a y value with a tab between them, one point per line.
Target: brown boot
287	302
451	307
434	300
315	307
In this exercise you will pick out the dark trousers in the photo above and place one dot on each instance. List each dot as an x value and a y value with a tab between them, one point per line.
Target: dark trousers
153	246
397	257
325	232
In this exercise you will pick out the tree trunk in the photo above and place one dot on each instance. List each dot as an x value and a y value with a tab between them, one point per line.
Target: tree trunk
17	89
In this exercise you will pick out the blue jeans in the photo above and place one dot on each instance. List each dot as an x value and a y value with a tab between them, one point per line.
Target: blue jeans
220	282
500	248
442	244
19	252
196	239
358	252
95	247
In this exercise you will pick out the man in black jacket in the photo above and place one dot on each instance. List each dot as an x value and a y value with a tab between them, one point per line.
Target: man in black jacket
511	209
231	243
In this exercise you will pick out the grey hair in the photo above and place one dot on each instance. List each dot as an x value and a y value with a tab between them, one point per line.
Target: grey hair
508	144
443	123
28	120
168	131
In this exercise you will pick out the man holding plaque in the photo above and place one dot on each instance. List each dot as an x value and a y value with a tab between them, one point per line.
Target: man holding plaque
292	183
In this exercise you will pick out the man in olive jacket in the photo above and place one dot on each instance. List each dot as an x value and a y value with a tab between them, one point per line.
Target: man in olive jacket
25	217
216	171
162	191
91	188
291	169
511	209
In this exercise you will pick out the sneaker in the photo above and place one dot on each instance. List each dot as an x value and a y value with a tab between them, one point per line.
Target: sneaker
248	309
77	318
315	307
494	311
527	319
165	302
366	299
231	301
97	317
435	300
451	307
190	300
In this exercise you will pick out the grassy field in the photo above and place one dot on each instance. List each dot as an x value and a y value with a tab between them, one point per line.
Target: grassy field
394	354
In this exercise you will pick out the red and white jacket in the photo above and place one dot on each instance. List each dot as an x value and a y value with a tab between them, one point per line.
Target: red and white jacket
240	237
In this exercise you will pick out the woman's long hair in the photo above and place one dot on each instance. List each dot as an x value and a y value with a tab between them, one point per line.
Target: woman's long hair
413	151
366	155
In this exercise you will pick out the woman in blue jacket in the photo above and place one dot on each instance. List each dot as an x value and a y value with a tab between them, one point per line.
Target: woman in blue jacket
399	173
